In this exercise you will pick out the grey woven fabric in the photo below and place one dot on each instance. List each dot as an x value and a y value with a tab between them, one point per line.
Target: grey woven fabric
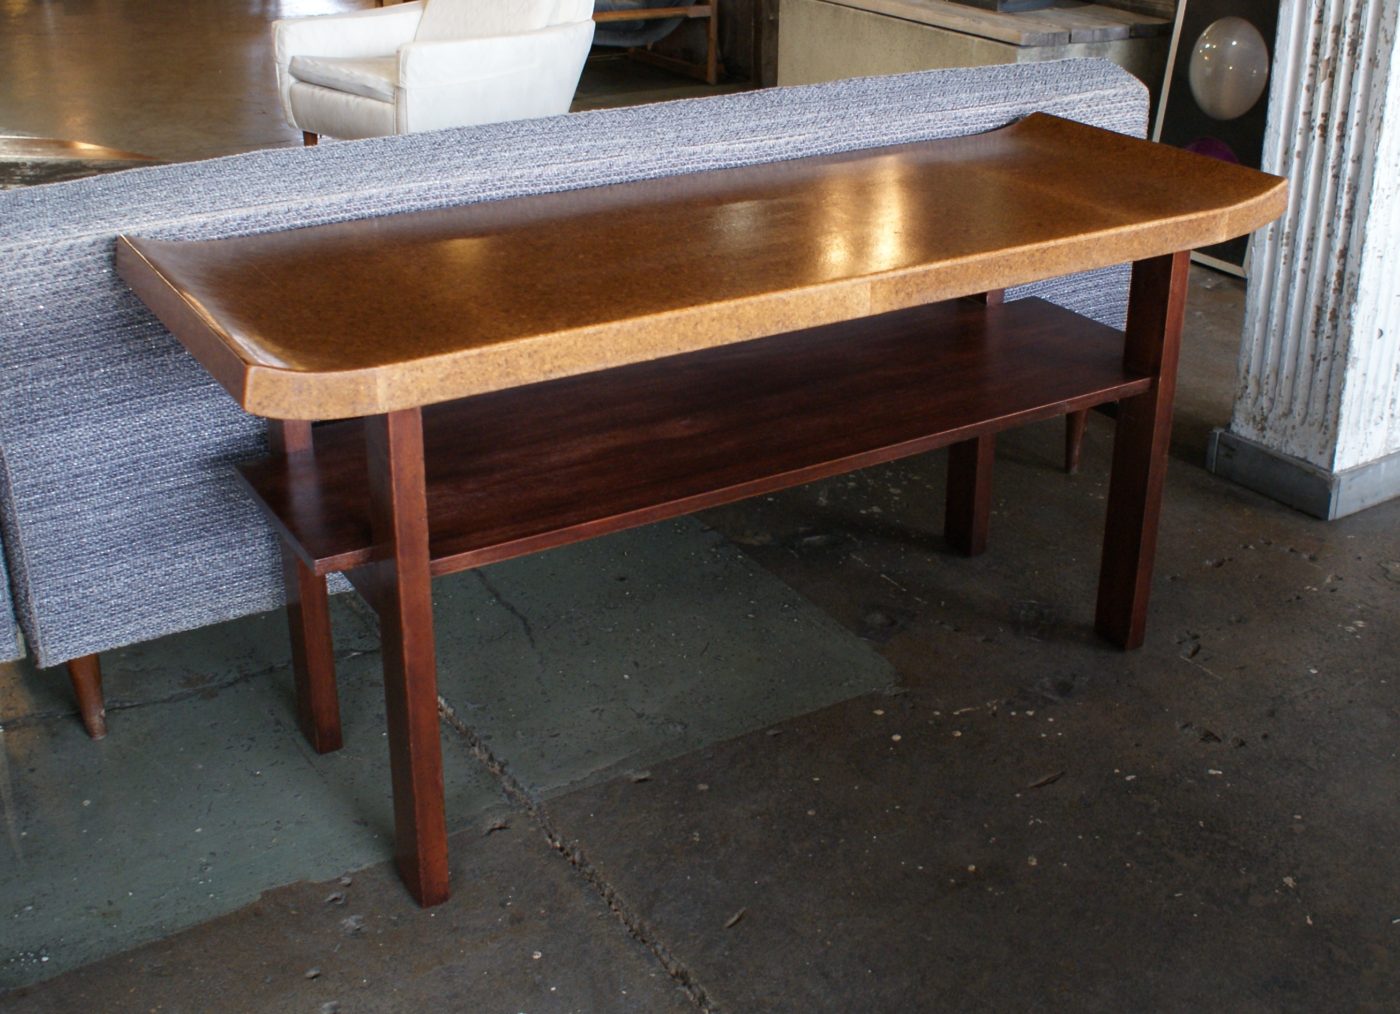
121	518
9	626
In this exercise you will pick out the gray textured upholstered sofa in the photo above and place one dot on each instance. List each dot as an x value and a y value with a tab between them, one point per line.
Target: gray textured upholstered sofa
120	516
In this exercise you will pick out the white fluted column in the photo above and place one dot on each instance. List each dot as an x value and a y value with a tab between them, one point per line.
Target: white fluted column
1316	421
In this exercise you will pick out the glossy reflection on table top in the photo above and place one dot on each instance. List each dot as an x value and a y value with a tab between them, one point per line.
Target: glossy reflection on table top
385	313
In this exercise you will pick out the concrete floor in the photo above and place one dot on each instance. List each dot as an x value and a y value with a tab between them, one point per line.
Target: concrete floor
799	757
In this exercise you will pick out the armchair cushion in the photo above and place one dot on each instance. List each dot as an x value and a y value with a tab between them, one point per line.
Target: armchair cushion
339	114
373	77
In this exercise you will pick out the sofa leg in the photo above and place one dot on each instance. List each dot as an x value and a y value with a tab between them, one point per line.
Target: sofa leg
1074	438
309	139
86	674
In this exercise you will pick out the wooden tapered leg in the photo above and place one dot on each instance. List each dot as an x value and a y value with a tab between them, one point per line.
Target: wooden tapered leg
86	675
313	654
968	506
969	502
403	597
308	139
308	620
1074	438
712	46
1156	307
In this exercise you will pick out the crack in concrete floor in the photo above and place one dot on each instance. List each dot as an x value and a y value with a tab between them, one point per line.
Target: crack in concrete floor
635	926
174	697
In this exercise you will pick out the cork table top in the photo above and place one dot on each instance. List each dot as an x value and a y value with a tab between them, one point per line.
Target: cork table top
387	313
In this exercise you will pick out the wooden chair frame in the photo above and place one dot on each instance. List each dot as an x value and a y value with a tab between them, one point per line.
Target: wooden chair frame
709	71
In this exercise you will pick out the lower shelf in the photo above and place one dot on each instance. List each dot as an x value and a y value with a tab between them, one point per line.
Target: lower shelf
518	471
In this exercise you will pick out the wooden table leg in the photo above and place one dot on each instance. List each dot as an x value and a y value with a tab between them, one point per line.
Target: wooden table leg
1074	438
313	654
308	620
1156	308
712	45
969	500
402	594
968	504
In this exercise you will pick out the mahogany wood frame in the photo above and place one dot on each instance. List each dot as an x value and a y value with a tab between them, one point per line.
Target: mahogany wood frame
308	614
968	496
1075	423
1156	310
399	587
396	578
634	407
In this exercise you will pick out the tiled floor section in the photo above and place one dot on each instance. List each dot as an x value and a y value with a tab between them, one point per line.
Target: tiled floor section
1035	821
602	657
523	937
612	655
203	795
1030	820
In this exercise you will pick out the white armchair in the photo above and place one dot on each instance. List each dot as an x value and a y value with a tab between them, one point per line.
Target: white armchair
430	64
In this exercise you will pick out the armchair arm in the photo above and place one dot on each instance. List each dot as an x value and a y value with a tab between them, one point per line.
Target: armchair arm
375	32
462	82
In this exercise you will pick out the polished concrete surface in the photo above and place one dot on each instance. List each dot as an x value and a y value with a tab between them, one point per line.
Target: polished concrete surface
178	80
800	758
32	161
568	668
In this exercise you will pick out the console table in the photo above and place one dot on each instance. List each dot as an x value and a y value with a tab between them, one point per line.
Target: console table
505	385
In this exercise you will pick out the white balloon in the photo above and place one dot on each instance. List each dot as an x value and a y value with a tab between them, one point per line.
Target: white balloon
1229	68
